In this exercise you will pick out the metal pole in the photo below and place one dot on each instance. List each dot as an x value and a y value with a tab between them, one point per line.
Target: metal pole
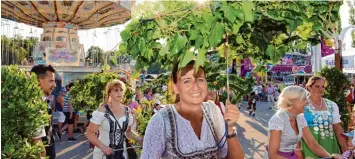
338	57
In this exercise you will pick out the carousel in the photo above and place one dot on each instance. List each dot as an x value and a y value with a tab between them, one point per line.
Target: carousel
59	44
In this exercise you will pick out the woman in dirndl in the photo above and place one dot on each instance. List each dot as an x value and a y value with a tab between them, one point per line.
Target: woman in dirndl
323	120
288	125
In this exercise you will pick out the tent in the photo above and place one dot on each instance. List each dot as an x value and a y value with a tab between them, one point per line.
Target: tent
348	60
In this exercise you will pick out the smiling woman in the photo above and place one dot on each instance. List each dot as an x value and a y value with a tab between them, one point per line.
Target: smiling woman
168	134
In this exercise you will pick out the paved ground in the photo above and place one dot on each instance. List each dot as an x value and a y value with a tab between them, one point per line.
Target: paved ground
252	133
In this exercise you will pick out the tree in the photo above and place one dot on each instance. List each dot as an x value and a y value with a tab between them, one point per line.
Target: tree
217	79
22	112
155	69
96	54
88	93
14	50
352	20
336	81
264	30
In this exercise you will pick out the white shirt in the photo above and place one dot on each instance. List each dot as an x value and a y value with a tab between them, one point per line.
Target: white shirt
154	146
289	140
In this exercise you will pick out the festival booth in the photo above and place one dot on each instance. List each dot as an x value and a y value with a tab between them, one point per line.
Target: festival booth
348	57
293	68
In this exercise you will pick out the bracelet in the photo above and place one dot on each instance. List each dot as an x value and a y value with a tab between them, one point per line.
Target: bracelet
231	135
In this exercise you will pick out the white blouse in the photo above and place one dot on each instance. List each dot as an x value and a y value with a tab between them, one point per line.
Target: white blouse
289	140
154	146
98	118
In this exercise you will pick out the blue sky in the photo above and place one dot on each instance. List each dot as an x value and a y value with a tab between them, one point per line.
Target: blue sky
108	41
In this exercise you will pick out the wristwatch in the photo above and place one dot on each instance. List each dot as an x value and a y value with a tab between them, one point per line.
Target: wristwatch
234	133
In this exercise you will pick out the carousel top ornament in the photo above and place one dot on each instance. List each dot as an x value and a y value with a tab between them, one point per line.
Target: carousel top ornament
84	14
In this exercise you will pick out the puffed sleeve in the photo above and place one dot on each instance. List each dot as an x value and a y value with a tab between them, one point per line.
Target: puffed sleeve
154	138
276	123
97	117
301	121
335	114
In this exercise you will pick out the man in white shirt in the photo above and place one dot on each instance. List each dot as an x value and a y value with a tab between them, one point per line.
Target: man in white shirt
46	79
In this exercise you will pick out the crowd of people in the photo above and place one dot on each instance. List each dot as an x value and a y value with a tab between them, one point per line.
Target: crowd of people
197	124
263	93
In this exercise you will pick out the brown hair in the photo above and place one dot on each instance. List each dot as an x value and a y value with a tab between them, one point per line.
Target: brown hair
113	84
313	80
177	73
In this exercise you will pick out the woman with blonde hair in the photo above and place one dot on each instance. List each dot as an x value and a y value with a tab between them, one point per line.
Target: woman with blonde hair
288	126
323	119
114	121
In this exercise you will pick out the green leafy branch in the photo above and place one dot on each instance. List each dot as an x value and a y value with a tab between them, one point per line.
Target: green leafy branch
262	30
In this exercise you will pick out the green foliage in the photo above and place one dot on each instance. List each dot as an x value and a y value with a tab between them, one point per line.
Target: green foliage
264	30
352	20
335	92
352	12
96	54
22	112
89	91
143	117
144	113
15	50
217	79
155	69
156	84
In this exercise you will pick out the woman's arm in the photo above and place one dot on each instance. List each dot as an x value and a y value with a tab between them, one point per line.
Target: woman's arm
132	135
60	100
338	129
274	144
298	151
313	144
90	134
93	128
235	149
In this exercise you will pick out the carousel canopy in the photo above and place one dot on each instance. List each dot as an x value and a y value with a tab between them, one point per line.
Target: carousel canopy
84	14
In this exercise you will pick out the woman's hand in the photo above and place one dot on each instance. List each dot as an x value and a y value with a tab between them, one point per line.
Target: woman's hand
106	150
337	156
231	115
299	154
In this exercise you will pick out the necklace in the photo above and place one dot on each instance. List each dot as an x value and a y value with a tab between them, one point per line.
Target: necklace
318	106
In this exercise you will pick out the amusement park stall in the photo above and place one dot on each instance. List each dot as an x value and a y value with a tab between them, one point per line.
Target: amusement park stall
293	68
